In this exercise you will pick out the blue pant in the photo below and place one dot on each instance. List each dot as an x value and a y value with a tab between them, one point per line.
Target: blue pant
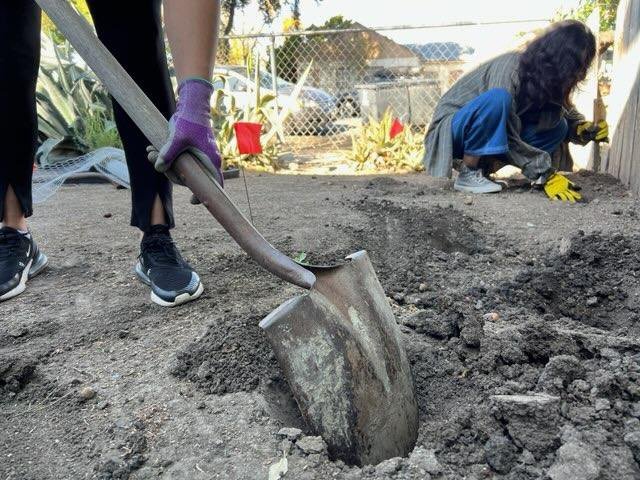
480	127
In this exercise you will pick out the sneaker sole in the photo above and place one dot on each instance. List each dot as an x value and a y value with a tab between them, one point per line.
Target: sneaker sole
39	266
459	188
27	274
179	300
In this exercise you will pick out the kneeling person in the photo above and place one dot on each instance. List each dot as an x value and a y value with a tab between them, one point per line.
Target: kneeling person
516	109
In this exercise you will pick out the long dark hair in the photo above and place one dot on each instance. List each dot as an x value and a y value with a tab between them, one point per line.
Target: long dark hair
553	64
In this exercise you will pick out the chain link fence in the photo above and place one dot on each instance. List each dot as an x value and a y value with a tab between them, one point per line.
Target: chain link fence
353	75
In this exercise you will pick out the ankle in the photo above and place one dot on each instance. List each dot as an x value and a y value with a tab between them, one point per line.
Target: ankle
464	168
20	225
156	229
471	162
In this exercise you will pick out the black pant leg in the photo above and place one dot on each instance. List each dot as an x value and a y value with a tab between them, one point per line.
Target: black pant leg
132	31
19	62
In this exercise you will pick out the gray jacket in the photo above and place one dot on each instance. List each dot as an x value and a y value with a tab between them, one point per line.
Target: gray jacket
500	72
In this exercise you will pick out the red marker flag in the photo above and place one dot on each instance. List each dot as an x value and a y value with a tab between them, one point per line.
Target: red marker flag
396	128
248	137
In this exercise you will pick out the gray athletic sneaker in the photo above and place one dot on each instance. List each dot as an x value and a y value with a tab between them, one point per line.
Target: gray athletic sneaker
472	181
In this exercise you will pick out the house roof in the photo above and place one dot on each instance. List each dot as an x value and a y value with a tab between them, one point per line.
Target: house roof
383	47
368	42
440	51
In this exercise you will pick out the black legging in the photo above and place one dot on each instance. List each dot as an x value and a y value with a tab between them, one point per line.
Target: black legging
132	30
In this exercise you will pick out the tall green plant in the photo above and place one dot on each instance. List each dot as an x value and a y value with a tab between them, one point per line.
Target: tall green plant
72	104
226	113
374	149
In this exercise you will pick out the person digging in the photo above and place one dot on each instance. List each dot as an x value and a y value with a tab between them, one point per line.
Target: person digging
133	32
516	109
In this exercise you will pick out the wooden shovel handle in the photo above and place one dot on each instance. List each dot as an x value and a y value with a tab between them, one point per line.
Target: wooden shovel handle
155	127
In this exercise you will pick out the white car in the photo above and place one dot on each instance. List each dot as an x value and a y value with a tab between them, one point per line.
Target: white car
311	112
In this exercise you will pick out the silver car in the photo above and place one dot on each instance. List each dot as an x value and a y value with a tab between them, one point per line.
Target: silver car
311	113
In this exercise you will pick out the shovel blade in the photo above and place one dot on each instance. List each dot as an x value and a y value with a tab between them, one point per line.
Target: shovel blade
341	352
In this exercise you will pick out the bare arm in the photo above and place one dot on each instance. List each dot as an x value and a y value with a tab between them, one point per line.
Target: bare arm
192	29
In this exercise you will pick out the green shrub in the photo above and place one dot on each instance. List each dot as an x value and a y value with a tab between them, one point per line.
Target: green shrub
374	149
101	131
226	113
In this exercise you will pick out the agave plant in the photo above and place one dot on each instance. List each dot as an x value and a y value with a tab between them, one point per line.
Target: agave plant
373	147
265	110
74	110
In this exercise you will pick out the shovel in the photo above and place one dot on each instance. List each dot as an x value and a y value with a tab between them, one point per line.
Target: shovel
338	344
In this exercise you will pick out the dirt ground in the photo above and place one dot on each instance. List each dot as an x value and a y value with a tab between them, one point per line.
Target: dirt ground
519	315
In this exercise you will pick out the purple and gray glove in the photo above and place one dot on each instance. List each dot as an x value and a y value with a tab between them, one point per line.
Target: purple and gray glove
190	131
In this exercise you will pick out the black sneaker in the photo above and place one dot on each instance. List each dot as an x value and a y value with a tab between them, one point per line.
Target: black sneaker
20	260
160	265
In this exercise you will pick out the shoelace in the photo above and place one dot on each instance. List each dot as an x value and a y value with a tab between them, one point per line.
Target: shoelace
9	245
480	178
161	249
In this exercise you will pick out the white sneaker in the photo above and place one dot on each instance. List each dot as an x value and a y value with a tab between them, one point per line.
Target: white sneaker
472	181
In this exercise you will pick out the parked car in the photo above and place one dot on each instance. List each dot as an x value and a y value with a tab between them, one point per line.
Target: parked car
312	111
348	103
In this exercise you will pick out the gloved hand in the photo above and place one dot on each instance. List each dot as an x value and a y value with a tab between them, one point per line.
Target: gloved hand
190	131
588	132
559	187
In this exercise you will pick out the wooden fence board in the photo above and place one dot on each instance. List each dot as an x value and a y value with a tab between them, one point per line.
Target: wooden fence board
624	108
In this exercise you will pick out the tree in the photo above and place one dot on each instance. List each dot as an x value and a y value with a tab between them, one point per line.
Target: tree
608	10
343	47
270	10
334	23
229	8
50	29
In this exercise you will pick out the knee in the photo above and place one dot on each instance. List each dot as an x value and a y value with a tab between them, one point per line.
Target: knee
494	104
500	98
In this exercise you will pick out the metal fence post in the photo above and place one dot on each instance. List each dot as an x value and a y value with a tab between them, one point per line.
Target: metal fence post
274	71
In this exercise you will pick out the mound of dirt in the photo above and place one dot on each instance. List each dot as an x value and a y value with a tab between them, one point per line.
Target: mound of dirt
517	369
595	280
552	370
15	374
232	356
405	242
393	229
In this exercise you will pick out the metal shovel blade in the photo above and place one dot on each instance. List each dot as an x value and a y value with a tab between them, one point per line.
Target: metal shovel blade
341	352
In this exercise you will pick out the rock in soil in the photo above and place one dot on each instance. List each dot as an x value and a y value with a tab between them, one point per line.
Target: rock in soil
574	461
389	467
500	453
533	421
311	445
86	393
425	460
